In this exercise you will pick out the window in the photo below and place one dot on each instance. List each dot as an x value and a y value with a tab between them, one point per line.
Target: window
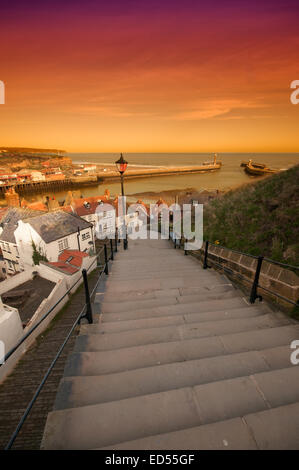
63	244
85	236
6	247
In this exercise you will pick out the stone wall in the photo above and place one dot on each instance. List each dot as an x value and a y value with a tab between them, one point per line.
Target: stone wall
276	278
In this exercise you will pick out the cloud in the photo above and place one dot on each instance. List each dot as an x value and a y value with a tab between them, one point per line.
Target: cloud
216	109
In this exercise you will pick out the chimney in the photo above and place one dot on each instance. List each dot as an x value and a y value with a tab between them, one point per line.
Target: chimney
12	198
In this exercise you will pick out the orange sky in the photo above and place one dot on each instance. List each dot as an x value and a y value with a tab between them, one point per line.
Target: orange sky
135	79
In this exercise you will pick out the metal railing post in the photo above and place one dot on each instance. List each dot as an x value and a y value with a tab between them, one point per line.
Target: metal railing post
205	260
111	249
88	314
253	294
185	251
106	270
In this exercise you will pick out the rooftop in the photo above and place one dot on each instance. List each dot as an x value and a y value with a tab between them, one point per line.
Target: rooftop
69	261
9	222
54	225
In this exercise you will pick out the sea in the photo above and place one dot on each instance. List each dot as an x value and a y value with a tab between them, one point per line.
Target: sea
231	174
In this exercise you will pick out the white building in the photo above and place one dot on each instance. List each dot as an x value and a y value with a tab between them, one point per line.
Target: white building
43	236
37	176
12	262
105	215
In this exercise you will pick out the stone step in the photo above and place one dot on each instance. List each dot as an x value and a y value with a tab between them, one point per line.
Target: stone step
153	261
165	353
174	333
173	308
132	305
160	273
158	259
148	253
90	388
138	417
145	251
216	289
108	326
158	284
274	429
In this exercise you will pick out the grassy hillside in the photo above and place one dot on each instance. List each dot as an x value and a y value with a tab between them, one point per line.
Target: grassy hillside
261	218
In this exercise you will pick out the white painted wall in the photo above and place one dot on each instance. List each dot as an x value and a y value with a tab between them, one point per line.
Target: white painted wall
58	291
11	257
25	234
12	282
11	331
37	176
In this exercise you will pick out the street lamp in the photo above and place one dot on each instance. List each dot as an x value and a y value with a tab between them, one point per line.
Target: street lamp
121	166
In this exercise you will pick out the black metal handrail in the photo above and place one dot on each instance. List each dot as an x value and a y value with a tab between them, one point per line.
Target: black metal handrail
87	306
21	340
39	388
255	284
284	265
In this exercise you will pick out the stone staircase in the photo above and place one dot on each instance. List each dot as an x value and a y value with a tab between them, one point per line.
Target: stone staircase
178	359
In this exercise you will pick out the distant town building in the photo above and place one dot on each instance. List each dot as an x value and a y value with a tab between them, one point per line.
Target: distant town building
37	176
90	168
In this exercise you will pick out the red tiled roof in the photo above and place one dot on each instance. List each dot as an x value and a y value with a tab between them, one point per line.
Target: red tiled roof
37	206
82	209
65	267
75	255
69	261
87	205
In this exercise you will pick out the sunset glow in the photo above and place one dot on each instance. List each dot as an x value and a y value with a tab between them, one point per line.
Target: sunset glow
138	76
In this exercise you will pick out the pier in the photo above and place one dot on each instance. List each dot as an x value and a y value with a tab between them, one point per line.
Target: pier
144	172
101	176
46	186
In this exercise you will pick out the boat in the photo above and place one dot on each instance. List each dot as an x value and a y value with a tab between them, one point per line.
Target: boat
258	169
258	165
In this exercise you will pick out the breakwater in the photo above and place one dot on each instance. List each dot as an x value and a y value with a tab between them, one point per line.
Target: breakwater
136	173
46	186
99	177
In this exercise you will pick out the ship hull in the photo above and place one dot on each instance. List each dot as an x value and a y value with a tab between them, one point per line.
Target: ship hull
250	170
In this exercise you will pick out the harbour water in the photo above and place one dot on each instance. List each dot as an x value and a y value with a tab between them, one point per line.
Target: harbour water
231	174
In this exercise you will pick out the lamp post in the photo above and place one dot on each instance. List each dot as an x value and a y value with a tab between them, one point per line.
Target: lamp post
121	166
